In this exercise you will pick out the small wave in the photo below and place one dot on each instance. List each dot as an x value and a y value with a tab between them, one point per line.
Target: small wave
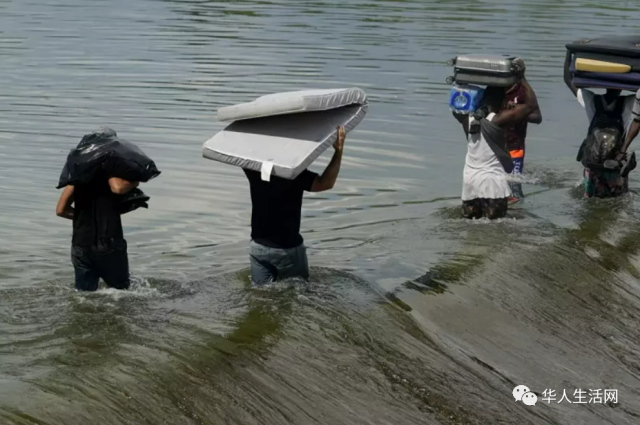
139	288
524	178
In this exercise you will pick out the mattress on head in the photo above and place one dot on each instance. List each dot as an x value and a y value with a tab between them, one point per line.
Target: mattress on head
591	65
293	102
630	77
597	83
627	46
284	145
634	63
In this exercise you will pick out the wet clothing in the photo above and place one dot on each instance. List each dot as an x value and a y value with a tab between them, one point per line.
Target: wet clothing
484	176
604	183
277	249
98	246
518	168
277	208
107	260
516	136
608	183
587	99
517	133
490	208
97	213
272	264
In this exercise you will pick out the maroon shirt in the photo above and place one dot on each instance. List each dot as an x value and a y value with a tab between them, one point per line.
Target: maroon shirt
517	133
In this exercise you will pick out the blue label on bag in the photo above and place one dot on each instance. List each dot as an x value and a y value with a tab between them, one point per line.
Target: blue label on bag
465	99
461	100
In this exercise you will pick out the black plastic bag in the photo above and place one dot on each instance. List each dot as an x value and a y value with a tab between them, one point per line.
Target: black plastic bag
133	200
103	151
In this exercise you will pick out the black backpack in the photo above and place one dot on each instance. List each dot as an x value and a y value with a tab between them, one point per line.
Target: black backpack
605	137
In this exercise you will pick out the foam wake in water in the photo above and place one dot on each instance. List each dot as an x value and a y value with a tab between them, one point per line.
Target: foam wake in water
217	351
555	311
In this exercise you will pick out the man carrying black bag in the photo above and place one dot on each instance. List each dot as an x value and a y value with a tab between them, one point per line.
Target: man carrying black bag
99	249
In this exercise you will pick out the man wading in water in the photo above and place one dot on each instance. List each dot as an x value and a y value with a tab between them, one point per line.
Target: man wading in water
277	249
485	190
517	131
613	124
98	249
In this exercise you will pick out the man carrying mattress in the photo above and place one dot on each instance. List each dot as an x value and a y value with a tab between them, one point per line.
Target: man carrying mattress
603	152
277	249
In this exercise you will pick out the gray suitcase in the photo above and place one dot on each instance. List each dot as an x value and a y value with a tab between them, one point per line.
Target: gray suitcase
490	64
483	70
461	77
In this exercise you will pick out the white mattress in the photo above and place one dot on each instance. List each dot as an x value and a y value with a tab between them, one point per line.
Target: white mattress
283	145
293	102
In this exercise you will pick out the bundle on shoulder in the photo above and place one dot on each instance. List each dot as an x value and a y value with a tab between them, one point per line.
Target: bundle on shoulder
104	152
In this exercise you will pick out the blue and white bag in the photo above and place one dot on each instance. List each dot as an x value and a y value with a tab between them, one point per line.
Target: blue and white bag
465	99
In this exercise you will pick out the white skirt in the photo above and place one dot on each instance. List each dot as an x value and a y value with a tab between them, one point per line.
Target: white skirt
487	184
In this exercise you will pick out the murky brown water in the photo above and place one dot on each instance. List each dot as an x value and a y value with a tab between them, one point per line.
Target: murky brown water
412	315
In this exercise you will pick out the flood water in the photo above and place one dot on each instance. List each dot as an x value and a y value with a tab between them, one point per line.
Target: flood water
412	315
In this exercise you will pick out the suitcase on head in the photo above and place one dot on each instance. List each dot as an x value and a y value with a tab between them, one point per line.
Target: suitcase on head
485	70
491	64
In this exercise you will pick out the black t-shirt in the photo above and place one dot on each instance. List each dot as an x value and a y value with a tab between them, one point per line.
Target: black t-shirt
96	214
277	206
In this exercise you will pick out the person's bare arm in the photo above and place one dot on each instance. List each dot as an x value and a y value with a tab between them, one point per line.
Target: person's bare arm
631	135
567	74
464	120
64	208
535	117
328	179
521	112
511	116
120	186
634	129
